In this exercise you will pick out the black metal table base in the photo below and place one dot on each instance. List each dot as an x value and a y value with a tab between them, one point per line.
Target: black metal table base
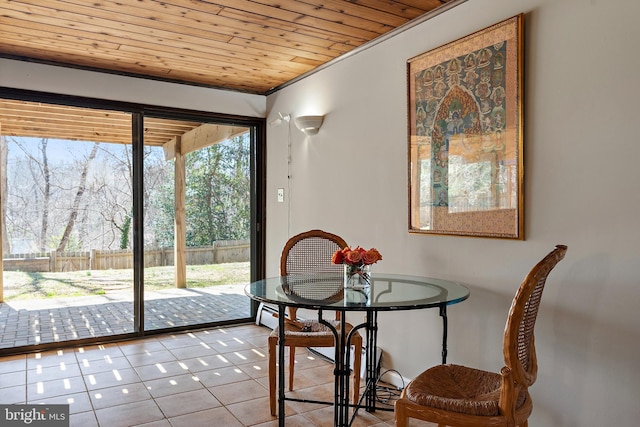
342	371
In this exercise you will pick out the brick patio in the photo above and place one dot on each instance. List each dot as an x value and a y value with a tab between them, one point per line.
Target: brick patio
56	320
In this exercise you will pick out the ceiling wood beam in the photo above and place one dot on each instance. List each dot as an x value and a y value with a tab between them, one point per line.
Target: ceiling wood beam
200	137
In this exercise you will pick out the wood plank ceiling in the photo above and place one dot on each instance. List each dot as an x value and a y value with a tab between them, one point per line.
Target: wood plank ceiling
253	46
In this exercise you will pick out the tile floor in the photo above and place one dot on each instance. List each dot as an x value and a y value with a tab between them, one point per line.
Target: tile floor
214	377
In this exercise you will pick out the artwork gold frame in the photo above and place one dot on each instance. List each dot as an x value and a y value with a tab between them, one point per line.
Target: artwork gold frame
465	135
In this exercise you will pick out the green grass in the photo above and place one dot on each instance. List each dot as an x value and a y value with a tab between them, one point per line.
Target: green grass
21	285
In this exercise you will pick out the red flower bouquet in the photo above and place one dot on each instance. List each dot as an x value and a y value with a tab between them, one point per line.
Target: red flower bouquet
356	265
356	257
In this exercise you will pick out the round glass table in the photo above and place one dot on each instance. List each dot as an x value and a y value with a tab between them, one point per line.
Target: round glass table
325	291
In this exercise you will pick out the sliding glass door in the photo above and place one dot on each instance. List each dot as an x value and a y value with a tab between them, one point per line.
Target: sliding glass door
67	194
122	222
197	204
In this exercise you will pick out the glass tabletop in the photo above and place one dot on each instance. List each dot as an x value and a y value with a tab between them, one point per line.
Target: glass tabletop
387	292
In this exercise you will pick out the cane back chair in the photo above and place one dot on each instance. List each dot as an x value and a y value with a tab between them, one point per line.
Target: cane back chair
309	252
452	395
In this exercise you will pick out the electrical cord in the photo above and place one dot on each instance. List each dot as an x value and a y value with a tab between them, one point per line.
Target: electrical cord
386	394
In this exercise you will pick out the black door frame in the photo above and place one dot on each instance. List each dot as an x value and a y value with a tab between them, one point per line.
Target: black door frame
257	128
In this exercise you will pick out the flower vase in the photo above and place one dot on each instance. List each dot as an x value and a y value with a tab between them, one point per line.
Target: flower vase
357	276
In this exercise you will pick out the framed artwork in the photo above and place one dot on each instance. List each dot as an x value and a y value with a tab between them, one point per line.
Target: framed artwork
465	135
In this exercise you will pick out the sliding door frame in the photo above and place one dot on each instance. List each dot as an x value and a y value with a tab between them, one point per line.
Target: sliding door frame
138	112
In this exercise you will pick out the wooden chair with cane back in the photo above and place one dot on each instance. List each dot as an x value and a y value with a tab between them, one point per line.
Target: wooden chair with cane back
459	396
310	252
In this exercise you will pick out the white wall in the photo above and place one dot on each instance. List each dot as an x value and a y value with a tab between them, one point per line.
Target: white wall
69	81
582	190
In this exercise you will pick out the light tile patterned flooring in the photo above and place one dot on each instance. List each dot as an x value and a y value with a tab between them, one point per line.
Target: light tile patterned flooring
214	377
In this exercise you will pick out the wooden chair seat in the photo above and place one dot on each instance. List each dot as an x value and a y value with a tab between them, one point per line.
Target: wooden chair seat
309	329
459	389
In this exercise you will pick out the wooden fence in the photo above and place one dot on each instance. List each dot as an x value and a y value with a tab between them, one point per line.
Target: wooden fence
220	252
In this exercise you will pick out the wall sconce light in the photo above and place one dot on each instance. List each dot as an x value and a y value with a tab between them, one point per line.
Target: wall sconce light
310	125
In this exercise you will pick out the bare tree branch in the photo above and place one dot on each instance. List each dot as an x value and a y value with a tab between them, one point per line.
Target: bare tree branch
47	194
76	203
